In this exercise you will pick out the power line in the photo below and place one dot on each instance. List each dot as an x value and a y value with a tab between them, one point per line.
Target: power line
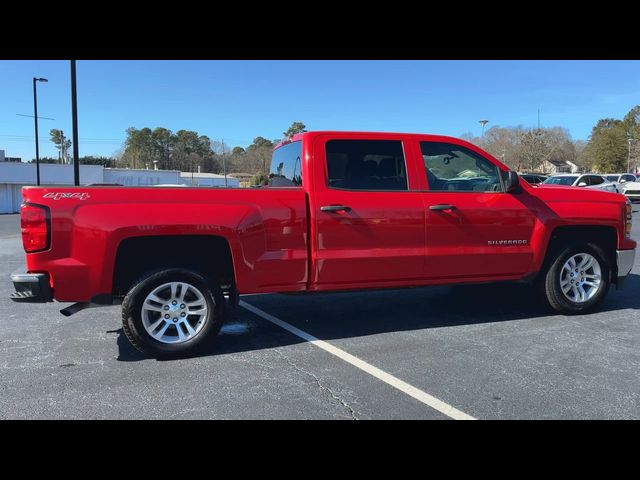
40	136
23	115
89	141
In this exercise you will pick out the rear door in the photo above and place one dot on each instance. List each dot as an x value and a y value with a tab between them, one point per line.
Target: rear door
473	228
368	224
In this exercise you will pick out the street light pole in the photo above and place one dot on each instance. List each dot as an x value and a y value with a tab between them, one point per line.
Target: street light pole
35	121
483	123
629	157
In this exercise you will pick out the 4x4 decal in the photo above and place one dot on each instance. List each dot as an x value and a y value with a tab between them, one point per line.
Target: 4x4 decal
59	195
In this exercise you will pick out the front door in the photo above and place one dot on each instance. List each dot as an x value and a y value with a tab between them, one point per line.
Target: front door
473	228
368	227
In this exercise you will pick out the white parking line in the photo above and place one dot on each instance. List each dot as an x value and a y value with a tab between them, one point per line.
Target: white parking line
387	378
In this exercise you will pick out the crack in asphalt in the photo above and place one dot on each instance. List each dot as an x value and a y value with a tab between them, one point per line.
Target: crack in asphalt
320	385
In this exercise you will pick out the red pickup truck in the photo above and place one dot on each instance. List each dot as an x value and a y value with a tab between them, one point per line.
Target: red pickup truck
342	211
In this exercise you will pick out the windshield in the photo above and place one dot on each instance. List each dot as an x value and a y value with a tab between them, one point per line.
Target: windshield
568	180
612	178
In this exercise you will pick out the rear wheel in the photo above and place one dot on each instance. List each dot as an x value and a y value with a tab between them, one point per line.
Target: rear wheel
172	313
577	279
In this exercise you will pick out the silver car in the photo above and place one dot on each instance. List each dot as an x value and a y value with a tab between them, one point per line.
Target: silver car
585	180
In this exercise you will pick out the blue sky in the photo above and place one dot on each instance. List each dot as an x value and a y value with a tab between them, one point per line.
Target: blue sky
239	100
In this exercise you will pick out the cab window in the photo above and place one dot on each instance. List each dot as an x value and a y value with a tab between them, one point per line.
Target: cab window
286	166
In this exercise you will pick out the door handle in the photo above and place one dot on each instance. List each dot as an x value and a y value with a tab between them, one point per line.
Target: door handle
442	207
335	208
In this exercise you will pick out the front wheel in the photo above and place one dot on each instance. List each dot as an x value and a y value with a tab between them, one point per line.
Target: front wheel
577	279
172	313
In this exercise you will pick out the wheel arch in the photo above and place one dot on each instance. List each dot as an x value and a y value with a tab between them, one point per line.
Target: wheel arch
208	255
603	236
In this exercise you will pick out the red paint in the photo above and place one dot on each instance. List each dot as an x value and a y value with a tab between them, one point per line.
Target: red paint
280	240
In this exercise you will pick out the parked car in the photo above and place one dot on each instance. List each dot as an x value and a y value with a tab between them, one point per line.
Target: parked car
342	211
619	179
588	180
533	178
632	190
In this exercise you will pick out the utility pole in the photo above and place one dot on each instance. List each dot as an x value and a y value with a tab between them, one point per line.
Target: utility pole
74	122
629	157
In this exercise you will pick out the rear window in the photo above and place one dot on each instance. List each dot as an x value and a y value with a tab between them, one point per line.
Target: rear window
286	166
560	180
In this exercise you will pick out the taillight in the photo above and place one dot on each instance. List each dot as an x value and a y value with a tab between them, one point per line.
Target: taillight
34	222
629	218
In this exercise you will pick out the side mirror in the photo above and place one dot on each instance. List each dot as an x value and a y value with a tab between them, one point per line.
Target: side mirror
623	181
582	184
511	181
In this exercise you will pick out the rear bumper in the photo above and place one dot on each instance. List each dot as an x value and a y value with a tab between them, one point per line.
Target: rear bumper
624	260
30	287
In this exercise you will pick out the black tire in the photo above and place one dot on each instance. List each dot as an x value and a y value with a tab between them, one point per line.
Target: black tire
549	281
143	341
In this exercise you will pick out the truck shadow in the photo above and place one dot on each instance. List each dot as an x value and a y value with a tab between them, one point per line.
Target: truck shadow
359	314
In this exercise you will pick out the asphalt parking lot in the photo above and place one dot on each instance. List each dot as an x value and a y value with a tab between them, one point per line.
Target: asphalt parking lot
487	351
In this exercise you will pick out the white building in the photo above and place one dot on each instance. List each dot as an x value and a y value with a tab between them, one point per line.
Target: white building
207	180
15	175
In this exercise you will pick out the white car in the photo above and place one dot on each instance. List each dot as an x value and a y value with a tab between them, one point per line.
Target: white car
632	190
586	180
619	179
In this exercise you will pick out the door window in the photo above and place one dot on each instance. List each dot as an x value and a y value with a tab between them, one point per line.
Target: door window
595	180
452	167
366	165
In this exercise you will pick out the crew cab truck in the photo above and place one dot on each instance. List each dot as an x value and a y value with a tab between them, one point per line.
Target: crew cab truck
342	211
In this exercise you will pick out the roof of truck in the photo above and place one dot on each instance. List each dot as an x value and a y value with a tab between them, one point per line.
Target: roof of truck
298	136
